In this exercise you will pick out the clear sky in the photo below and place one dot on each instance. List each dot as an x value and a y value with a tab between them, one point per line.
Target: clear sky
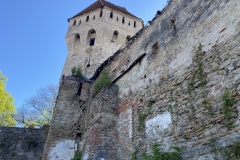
32	44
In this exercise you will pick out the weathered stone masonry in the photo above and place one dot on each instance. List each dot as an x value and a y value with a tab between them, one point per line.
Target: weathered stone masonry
164	84
22	143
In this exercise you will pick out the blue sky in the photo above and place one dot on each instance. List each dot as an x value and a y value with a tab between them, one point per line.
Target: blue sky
32	44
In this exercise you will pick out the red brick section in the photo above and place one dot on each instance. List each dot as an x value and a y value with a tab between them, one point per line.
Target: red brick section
98	4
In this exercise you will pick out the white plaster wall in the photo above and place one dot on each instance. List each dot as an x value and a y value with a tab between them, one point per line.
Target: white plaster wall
156	125
64	150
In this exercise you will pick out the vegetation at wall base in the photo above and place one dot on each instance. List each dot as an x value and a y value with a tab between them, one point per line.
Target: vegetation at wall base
76	71
160	155
231	152
77	156
104	80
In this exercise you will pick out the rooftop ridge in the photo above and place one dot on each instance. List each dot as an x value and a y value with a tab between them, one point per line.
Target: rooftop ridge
101	4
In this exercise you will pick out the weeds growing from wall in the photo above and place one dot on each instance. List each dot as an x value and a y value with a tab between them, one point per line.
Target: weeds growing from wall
161	155
76	71
228	101
231	152
77	156
104	80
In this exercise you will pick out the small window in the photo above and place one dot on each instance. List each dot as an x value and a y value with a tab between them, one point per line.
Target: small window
111	14
91	42
91	37
101	12
155	48
74	23
115	36
134	24
117	18
94	17
77	40
87	18
123	20
80	22
128	38
129	23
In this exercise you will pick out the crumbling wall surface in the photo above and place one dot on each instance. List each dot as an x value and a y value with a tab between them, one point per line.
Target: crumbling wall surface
170	84
68	122
22	143
101	135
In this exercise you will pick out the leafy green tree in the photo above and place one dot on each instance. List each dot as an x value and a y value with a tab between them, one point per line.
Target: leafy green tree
38	110
7	108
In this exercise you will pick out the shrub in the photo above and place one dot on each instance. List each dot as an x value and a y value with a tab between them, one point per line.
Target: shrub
77	156
104	80
160	155
77	71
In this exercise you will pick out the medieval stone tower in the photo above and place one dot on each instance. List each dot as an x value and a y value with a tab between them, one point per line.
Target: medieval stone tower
93	35
96	33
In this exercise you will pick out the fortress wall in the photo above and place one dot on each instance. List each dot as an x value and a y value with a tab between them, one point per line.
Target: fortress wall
100	137
68	123
165	85
22	143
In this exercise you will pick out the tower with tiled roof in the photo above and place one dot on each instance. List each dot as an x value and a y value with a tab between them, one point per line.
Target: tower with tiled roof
95	33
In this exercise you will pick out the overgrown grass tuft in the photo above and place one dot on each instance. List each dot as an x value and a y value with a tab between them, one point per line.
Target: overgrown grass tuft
104	80
77	71
77	156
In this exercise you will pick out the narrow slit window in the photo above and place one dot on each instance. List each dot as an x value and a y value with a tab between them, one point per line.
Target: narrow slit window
101	13
117	18
111	14
123	20
74	23
77	40
155	48
87	18
94	17
80	22
135	24
129	23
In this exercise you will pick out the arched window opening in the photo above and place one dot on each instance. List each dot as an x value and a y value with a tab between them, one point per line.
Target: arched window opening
94	17
129	23
87	18
128	38
76	40
123	20
135	24
115	36
101	13
91	37
74	23
111	14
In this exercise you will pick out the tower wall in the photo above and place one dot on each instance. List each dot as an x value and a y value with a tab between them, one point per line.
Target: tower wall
81	54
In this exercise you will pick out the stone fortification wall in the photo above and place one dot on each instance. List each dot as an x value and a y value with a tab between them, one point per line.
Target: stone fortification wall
101	135
22	143
68	122
178	94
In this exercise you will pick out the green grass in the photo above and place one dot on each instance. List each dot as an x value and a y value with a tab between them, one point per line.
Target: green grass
77	71
104	80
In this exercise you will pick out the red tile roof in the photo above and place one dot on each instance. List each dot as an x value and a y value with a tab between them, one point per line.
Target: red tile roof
101	4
